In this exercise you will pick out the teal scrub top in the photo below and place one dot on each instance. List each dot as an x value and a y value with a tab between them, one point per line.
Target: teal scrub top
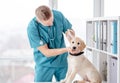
39	35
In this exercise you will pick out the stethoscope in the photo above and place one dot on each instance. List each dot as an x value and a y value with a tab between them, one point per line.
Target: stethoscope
51	34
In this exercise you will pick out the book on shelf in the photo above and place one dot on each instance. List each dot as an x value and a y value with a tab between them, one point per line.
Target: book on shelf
101	36
95	34
98	33
104	36
89	33
113	37
113	70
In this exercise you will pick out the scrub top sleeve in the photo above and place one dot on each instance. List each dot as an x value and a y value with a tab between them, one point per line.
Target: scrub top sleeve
66	24
34	37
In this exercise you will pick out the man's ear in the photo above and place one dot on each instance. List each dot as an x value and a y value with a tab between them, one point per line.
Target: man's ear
70	34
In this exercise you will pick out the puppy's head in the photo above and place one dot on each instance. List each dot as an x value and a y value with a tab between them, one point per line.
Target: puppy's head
77	45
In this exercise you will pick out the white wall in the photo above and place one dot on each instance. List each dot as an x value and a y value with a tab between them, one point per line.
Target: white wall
112	8
77	12
14	18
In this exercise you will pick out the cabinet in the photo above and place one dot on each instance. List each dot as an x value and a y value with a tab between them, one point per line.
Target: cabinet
103	46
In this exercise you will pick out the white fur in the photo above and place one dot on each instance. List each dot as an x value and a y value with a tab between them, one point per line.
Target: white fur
81	65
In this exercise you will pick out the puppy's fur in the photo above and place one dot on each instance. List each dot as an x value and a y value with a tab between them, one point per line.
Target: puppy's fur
80	64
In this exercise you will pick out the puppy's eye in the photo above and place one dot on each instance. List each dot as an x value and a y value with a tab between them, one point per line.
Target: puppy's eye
73	42
78	43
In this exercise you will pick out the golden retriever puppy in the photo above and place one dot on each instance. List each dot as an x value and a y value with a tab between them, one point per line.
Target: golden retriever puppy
79	64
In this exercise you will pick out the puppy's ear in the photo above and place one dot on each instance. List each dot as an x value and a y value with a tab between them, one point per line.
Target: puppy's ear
82	45
70	34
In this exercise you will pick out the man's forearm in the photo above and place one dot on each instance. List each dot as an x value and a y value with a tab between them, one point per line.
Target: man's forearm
54	52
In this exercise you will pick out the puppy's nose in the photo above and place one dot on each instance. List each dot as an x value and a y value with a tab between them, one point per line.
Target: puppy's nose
74	48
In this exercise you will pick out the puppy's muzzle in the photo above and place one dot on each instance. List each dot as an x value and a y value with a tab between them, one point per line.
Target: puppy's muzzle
74	48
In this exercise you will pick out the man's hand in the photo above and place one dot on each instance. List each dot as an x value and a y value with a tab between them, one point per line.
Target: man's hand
70	50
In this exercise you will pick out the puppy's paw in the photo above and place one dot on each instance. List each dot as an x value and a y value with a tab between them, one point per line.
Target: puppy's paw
77	81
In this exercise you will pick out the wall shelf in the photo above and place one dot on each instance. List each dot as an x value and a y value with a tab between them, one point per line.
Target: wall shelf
101	51
103	44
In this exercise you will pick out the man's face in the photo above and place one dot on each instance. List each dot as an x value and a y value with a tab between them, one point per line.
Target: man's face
48	22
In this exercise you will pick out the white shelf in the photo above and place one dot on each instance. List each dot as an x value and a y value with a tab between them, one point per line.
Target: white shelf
103	18
109	54
104	44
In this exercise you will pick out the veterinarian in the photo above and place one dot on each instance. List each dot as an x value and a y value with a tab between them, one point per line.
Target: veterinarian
45	34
